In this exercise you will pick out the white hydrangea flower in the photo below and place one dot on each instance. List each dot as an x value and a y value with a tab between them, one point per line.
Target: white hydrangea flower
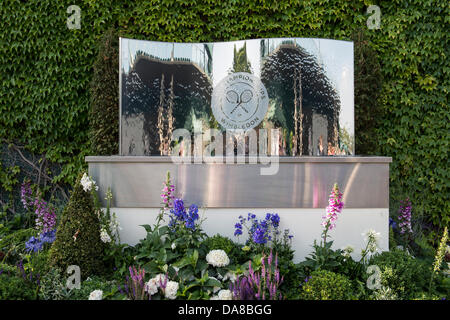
87	183
152	286
214	298
96	295
225	295
171	290
217	258
104	236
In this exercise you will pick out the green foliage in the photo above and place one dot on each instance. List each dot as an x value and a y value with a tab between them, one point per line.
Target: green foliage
163	250
14	287
327	285
293	280
13	245
78	235
47	68
219	242
37	262
232	249
405	275
368	81
53	286
323	257
104	113
8	177
109	288
7	268
240	61
392	241
427	296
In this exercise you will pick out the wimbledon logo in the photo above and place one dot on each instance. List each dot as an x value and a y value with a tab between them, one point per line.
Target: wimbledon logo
239	101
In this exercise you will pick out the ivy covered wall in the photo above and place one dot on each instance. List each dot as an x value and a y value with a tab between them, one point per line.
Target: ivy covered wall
46	70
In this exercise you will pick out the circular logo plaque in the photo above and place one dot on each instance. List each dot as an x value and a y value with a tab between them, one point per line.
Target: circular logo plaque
239	101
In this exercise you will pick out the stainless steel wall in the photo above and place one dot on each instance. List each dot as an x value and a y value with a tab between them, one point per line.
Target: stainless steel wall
301	182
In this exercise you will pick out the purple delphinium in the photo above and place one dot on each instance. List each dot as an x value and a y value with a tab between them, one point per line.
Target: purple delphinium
238	229
260	234
404	216
260	231
191	217
392	223
179	215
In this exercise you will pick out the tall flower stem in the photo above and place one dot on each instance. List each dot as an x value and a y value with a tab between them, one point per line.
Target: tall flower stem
167	196
440	253
334	207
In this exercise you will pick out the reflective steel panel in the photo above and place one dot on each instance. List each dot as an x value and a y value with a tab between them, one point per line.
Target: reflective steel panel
304	87
301	182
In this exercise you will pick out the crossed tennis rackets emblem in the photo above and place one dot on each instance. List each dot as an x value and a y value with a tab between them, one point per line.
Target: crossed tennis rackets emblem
239	99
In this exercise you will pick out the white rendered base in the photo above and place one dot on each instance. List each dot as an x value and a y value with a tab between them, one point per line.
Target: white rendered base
304	225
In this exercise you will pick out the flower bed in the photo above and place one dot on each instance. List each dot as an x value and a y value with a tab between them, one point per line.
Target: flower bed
177	260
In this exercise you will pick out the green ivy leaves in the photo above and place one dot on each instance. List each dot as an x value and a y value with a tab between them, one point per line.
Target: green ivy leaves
46	70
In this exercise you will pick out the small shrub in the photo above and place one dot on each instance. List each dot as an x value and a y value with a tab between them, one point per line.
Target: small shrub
78	235
427	296
219	242
404	274
14	286
232	249
109	288
326	285
53	286
7	269
39	263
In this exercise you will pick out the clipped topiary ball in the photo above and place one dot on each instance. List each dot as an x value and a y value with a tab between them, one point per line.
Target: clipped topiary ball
326	285
78	235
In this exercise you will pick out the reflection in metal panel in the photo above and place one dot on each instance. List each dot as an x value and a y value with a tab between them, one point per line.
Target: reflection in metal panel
300	183
304	87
